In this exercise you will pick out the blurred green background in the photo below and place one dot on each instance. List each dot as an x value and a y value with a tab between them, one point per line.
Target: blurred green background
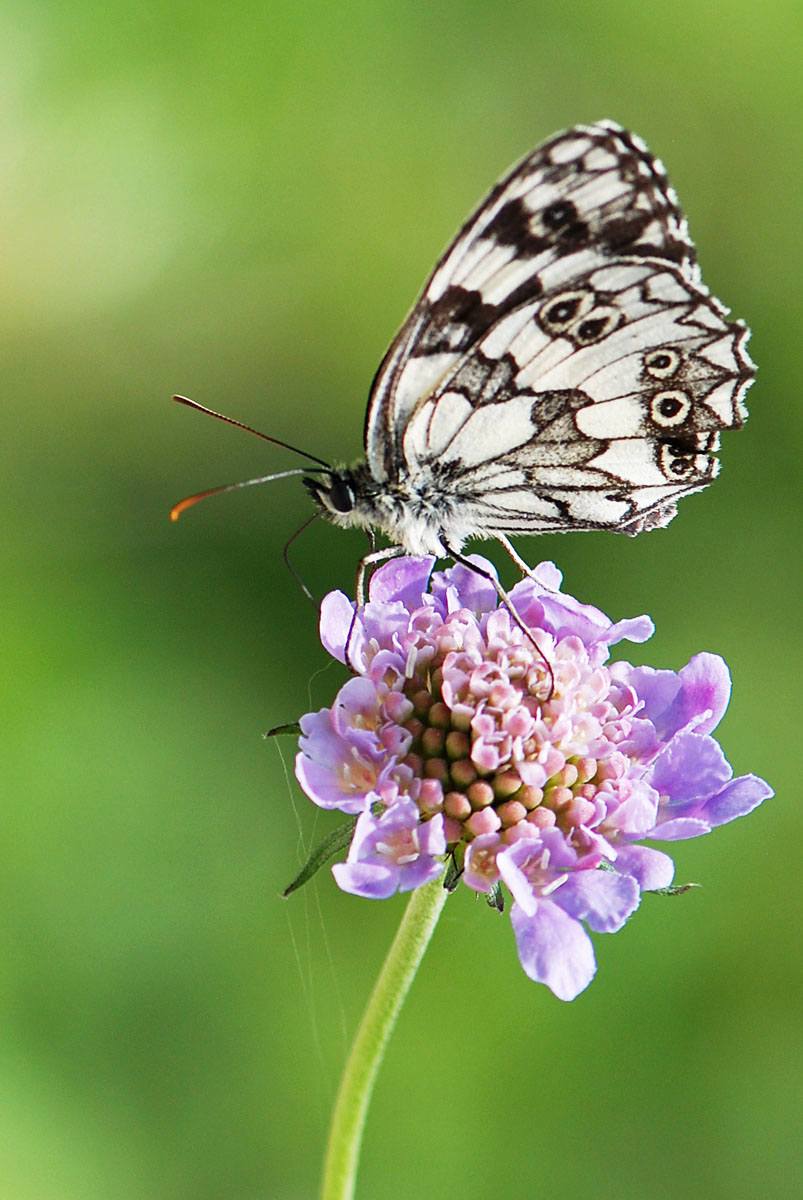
240	203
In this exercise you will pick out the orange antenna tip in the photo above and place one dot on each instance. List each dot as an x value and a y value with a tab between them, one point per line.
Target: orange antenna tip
188	501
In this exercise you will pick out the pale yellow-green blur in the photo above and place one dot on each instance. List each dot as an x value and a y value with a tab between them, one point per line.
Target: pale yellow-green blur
239	203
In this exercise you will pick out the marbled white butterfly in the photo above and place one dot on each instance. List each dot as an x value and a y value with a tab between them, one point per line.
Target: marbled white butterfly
565	368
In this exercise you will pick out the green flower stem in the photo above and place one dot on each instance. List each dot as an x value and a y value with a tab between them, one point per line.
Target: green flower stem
398	972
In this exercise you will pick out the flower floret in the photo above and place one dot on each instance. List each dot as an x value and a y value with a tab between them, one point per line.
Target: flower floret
392	852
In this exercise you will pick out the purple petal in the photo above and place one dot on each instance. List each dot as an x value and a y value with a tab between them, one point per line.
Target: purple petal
642	742
526	599
679	830
736	799
631	629
689	770
416	874
364	835
554	949
381	621
705	688
324	788
567	616
480	871
355	713
398	850
337	613
635	815
371	880
697	696
507	863
650	868
404	579
316	725
331	769
431	837
604	899
656	690
547	575
532	773
472	590
532	863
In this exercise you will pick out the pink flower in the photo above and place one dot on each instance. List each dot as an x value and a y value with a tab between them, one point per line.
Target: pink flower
455	737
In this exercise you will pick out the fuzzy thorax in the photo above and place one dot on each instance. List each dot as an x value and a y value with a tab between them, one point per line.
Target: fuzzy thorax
422	515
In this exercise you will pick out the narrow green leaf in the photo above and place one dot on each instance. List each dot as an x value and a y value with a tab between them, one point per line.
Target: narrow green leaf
676	889
292	727
454	870
495	897
337	840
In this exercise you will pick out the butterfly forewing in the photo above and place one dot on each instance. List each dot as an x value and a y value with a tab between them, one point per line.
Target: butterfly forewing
564	368
592	191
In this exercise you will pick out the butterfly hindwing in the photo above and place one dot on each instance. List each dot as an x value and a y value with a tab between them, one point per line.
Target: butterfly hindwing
617	386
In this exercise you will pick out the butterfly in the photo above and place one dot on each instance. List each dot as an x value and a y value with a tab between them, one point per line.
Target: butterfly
564	368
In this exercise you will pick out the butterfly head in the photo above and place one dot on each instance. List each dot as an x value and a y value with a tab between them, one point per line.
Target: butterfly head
334	493
349	496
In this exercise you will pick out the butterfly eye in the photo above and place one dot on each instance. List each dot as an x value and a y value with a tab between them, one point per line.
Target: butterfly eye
662	363
332	492
670	408
340	495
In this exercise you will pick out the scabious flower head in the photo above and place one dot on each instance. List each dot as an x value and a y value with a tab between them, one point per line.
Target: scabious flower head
454	737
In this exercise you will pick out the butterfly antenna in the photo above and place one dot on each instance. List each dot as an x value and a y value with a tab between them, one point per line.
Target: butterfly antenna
188	501
210	412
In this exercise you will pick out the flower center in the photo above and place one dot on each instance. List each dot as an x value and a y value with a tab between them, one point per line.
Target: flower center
497	746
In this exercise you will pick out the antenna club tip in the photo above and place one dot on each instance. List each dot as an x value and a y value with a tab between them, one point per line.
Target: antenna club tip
178	509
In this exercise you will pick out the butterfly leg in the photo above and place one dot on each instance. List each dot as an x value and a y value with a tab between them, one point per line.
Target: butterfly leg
370	559
512	552
510	549
289	565
508	603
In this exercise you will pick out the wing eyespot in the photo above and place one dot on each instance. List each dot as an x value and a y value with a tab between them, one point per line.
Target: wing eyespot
678	459
601	321
670	408
663	363
559	314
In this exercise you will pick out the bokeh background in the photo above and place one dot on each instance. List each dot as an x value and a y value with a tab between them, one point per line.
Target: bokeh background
240	203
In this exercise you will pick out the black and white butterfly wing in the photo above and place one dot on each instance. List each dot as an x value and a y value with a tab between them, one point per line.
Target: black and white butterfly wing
593	407
564	368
